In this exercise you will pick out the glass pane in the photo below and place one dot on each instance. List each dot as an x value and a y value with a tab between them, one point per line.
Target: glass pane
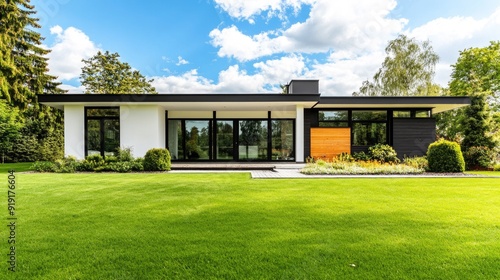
225	140
108	112
93	137
333	115
368	134
333	124
175	139
401	114
252	139
197	139
423	114
369	115
111	136
282	140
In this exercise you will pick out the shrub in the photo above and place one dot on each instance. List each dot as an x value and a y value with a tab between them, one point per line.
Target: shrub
110	159
445	156
44	166
417	162
67	165
383	153
91	163
361	156
479	158
124	154
345	157
496	167
157	159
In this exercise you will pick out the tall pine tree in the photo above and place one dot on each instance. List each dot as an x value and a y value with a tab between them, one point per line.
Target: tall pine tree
24	74
24	61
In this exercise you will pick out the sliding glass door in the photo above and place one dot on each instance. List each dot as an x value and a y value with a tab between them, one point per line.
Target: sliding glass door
224	145
231	139
252	140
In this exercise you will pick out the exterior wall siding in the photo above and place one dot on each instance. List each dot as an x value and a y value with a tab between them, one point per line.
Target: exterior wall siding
329	142
74	131
142	128
411	137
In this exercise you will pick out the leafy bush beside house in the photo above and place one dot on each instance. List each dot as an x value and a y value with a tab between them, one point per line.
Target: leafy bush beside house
479	158
383	153
122	162
157	159
445	156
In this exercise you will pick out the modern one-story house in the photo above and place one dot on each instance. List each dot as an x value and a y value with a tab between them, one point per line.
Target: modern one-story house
248	127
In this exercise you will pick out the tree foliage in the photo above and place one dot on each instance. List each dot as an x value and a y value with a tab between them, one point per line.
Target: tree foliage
475	74
23	62
104	73
24	74
408	70
10	126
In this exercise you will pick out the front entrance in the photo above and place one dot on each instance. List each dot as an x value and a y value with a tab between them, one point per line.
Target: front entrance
231	139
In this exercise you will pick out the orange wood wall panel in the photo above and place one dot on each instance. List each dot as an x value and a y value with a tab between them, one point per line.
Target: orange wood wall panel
327	142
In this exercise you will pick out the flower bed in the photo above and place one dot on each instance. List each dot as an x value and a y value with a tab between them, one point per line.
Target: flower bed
358	168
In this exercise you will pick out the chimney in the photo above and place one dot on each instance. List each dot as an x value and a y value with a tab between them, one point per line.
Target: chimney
303	87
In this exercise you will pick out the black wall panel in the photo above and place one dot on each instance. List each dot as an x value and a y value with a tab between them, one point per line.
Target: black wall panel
411	137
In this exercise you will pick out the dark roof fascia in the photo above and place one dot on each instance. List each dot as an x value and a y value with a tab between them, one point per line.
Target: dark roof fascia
393	100
139	98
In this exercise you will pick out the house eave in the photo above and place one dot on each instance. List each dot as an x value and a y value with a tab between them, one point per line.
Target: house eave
436	103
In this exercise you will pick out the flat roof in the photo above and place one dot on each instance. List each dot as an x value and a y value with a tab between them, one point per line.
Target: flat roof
212	102
251	102
436	103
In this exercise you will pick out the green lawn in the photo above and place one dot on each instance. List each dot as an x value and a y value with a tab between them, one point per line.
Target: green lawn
228	226
18	167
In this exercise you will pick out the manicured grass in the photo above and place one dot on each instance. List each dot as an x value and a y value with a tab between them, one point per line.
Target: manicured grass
18	167
228	226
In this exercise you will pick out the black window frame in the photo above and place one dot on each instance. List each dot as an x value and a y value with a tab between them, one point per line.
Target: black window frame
101	120
236	124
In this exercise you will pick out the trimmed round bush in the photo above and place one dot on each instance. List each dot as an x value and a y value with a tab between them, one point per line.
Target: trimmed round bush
445	156
383	153
157	159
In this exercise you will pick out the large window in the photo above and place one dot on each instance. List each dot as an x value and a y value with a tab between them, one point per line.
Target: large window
369	127
252	140
189	139
197	139
282	141
334	118
225	140
102	131
369	133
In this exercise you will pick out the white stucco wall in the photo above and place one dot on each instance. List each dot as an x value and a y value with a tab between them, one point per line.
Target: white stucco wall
74	131
142	128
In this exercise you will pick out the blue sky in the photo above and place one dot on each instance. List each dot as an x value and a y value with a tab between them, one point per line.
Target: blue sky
197	46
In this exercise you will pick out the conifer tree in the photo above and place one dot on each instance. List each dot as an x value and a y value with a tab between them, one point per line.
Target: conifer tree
23	61
24	74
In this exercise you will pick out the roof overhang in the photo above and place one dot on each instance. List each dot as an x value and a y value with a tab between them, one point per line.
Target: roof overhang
188	102
436	103
255	102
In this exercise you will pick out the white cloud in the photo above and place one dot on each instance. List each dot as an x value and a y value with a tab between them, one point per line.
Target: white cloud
72	89
181	61
449	36
71	46
269	75
332	25
247	10
348	37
